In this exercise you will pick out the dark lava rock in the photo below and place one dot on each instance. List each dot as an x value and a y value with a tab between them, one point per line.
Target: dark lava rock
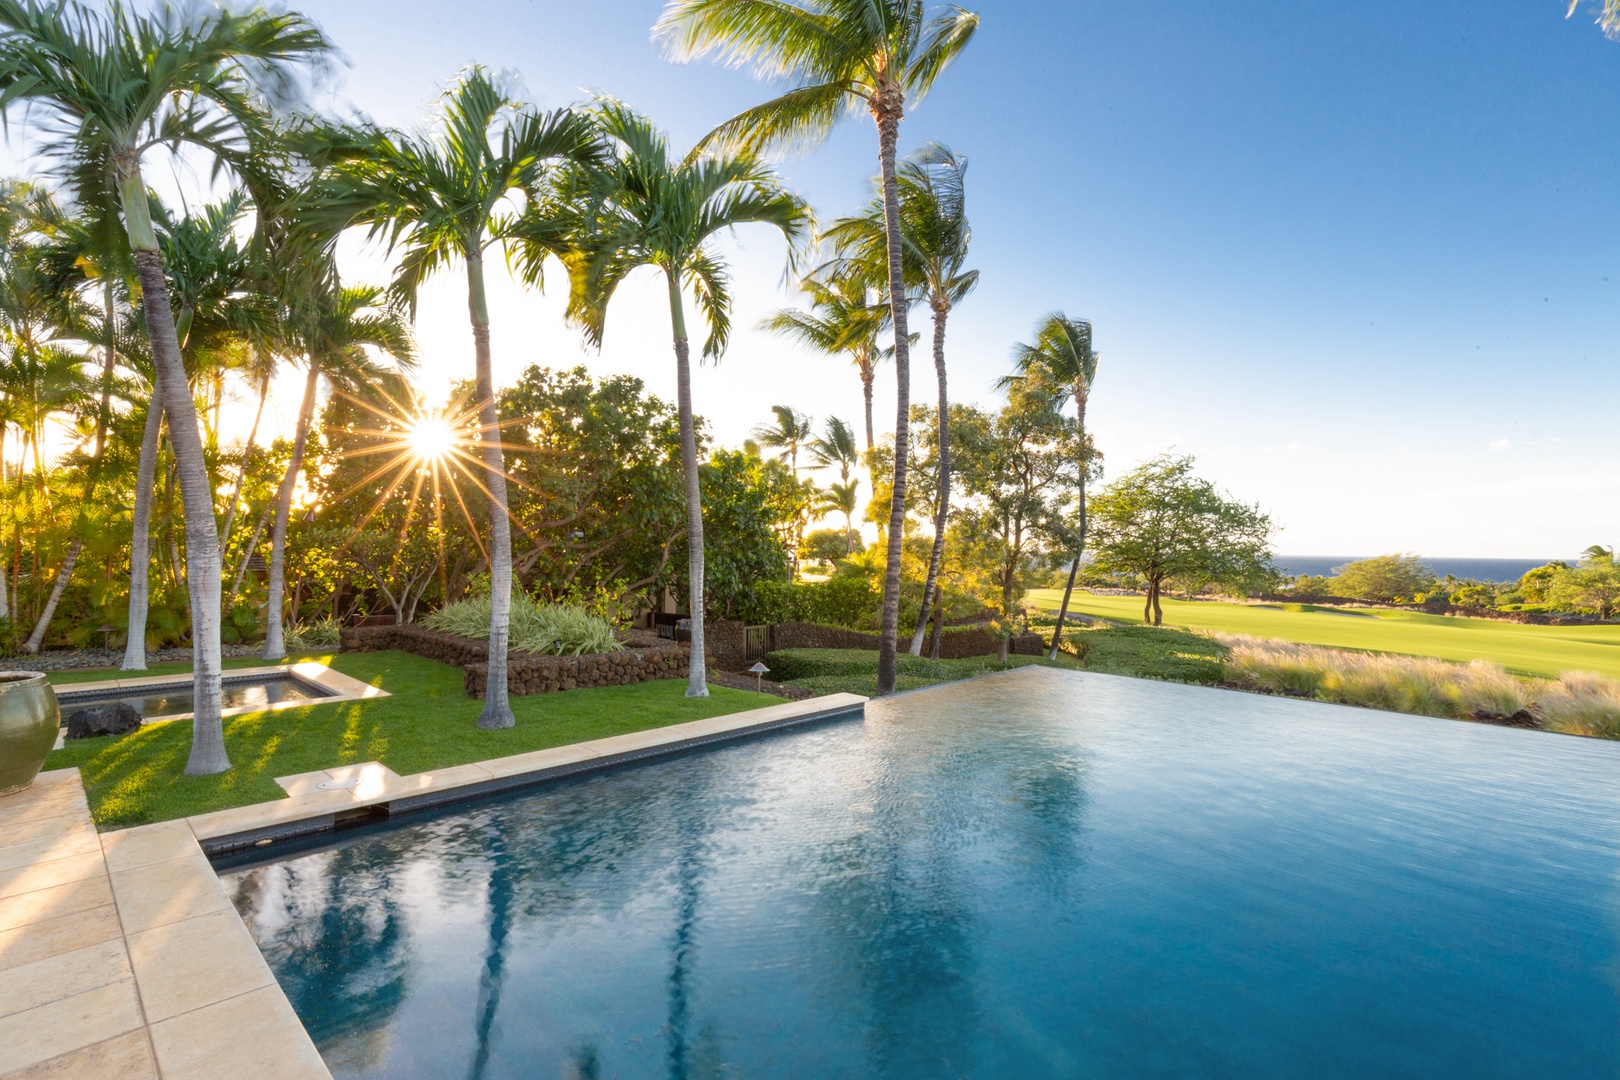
1523	718
117	718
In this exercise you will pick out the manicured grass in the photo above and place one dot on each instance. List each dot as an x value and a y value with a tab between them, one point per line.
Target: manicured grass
1142	652
428	723
1527	650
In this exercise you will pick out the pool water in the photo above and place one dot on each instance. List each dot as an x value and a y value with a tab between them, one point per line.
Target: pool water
153	701
1033	874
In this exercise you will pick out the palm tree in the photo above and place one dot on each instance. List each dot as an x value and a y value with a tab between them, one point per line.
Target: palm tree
841	499
791	431
835	448
117	83
935	237
1063	359
652	210
445	196
335	325
842	56
840	322
213	283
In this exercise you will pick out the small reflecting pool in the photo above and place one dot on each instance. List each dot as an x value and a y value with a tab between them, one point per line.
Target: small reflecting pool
1033	874
175	699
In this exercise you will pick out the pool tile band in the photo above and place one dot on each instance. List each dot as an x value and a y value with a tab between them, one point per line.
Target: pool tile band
284	819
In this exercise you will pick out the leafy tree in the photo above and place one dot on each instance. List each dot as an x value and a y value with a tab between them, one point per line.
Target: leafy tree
743	518
1161	521
829	545
843	56
1384	578
599	498
1608	15
444	197
116	84
1593	586
1063	364
1020	473
652	210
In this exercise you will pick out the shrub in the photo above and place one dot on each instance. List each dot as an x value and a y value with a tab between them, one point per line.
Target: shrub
320	634
535	628
846	600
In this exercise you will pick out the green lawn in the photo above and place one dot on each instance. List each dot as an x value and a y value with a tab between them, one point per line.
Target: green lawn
428	723
1526	650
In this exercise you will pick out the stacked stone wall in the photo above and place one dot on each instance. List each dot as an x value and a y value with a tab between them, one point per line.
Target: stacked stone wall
647	658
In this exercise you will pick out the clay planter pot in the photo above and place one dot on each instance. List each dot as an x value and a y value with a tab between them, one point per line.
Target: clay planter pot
29	721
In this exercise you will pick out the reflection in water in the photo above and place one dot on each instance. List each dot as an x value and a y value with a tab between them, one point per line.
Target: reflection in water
1037	875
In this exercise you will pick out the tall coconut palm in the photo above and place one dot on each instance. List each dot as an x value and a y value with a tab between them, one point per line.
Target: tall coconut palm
653	210
935	237
335	326
447	195
840	321
841	57
841	499
791	431
1063	360
834	448
116	83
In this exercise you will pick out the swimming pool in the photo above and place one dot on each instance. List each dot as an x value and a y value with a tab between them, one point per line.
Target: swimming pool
1034	874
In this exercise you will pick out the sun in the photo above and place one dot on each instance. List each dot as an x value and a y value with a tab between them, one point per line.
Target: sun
431	438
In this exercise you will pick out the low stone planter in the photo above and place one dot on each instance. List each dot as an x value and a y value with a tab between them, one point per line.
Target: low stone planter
29	722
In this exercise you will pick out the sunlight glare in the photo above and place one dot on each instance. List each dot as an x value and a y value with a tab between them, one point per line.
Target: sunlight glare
431	438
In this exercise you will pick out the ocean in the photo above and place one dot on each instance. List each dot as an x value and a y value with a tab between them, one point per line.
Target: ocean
1478	569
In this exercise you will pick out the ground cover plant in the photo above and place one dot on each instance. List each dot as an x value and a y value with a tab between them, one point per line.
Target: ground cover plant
535	628
1577	702
1546	651
427	724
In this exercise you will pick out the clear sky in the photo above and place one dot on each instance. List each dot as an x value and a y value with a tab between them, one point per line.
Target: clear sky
1360	260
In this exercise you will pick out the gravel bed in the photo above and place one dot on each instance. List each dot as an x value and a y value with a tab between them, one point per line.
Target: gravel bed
75	659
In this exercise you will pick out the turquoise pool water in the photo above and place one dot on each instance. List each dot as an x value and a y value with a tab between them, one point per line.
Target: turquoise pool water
1035	874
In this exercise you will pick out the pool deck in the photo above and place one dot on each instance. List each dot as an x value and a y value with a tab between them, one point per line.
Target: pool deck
122	956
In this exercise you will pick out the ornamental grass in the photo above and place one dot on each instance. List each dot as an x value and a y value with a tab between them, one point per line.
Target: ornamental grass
1577	702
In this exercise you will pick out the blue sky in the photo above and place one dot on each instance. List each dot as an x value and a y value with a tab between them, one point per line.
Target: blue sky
1358	260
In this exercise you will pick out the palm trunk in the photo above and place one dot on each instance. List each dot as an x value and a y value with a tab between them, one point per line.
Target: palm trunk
867	377
939	629
697	684
941	313
202	538
497	711
275	645
108	366
140	557
241	470
887	111
247	553
5	596
1080	547
37	638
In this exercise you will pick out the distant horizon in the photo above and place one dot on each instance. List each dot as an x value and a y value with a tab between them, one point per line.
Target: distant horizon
1462	566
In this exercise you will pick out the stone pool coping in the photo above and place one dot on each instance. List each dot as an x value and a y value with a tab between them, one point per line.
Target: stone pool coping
122	955
338	687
